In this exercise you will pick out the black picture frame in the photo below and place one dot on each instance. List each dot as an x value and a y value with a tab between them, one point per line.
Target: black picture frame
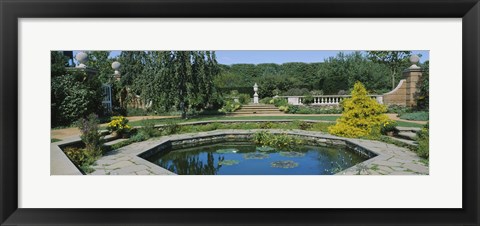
12	10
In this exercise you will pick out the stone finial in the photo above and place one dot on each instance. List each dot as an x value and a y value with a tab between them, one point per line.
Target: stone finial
82	58
414	59
116	66
255	95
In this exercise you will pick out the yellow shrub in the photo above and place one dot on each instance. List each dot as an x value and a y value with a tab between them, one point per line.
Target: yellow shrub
118	124
362	116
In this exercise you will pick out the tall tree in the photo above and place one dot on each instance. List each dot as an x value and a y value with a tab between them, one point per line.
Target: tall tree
180	79
99	60
395	60
133	63
342	71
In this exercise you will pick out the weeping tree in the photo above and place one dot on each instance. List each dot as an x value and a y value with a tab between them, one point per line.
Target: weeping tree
193	74
133	65
178	79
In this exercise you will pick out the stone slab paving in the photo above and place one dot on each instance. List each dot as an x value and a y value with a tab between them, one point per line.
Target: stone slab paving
389	159
124	161
110	143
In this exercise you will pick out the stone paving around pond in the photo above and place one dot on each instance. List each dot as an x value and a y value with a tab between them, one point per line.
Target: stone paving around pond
390	159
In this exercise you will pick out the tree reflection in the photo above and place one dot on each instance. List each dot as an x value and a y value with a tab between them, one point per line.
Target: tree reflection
184	163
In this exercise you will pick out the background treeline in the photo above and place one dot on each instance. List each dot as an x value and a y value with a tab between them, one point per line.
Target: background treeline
336	75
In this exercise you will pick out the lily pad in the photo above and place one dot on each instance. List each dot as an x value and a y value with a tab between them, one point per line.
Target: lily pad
284	164
228	162
292	154
255	155
265	149
227	150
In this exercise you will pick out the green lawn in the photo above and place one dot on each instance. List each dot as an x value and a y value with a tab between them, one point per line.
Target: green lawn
409	124
210	118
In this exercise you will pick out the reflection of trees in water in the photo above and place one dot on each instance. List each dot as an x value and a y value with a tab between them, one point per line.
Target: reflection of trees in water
184	163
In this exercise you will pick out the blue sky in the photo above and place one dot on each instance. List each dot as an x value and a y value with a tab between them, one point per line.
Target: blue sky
278	56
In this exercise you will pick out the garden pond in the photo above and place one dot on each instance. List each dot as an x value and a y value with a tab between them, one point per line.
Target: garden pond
247	158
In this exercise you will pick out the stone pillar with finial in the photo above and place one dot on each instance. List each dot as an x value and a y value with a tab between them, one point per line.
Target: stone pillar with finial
116	66
255	95
82	59
413	76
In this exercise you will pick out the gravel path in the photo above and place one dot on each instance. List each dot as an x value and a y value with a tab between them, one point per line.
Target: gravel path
74	131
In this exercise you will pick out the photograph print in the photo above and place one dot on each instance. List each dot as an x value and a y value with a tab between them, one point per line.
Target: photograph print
239	112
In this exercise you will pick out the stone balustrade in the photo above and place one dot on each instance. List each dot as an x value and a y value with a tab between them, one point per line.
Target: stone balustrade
325	100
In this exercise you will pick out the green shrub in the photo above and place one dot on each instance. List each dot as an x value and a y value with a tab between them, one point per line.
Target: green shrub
279	102
82	158
415	116
74	95
423	142
305	110
139	136
362	116
148	127
389	129
244	98
146	132
398	109
314	110
304	125
298	124
292	109
170	128
283	108
308	99
230	106
282	141
90	135
265	100
85	157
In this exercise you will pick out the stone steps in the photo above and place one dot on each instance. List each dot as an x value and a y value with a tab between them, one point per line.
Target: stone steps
411	129
256	113
410	142
108	138
258	109
116	141
407	135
